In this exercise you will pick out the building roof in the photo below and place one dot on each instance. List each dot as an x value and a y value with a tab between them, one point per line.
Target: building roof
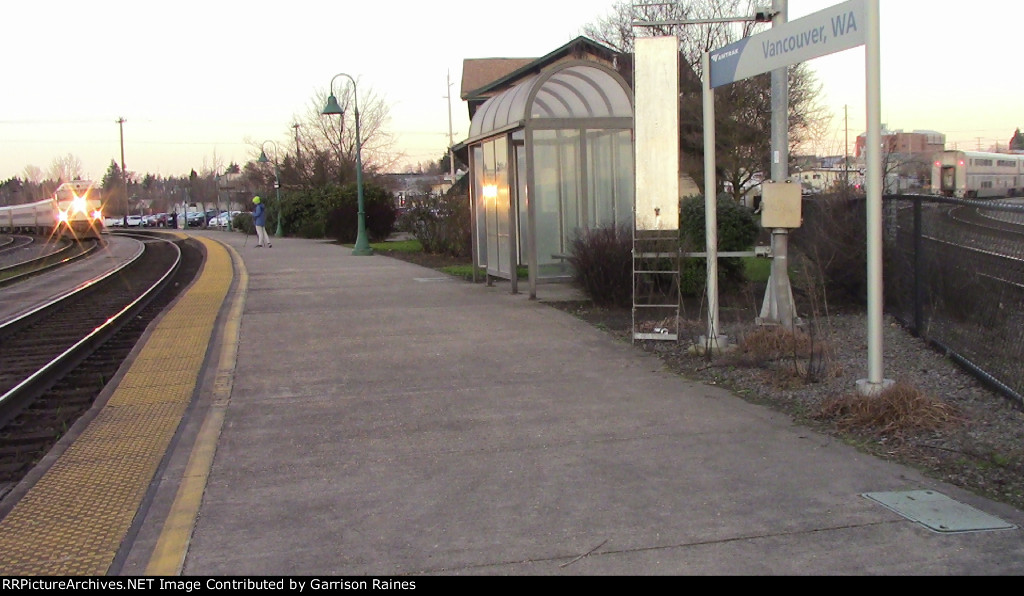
489	70
478	72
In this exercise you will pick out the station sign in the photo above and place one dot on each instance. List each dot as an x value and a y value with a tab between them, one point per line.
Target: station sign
834	29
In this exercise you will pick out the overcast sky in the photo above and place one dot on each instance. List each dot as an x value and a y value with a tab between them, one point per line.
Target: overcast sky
199	82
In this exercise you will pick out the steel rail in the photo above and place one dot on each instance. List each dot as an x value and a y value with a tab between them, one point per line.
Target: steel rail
17	397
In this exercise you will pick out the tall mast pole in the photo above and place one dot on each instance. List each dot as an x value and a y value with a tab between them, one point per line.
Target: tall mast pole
124	173
451	138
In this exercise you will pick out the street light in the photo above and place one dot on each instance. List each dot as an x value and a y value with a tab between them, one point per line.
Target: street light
277	184
362	247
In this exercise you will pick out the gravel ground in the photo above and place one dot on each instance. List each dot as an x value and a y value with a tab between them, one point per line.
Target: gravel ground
960	431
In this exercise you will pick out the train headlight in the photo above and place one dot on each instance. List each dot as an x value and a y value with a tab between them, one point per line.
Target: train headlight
79	205
62	216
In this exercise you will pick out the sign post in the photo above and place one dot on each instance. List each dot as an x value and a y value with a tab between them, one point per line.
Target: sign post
841	27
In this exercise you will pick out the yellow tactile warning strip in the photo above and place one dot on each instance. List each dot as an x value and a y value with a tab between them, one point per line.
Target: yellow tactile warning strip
74	519
168	556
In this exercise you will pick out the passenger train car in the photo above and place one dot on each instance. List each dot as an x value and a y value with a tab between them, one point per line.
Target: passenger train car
974	174
73	211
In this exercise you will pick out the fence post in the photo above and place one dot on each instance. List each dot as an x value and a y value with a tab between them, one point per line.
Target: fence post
918	266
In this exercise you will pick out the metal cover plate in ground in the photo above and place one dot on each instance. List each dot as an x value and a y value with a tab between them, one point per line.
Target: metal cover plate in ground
938	512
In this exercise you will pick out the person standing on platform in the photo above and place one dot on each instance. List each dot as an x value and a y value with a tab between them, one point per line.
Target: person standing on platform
259	219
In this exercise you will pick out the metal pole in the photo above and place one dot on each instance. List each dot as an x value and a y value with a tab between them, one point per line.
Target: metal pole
874	383
124	174
778	303
277	188
714	340
362	247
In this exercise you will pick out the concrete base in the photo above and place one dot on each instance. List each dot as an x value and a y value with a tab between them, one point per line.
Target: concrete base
798	323
869	389
715	345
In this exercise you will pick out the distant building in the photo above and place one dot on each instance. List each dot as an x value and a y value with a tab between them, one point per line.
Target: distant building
819	180
405	187
919	142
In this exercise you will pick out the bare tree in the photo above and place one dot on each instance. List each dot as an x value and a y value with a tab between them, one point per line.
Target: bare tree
742	109
617	31
65	169
329	143
33	174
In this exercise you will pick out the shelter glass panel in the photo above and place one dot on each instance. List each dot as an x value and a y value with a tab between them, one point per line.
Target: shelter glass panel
502	206
521	200
557	197
609	177
480	205
495	193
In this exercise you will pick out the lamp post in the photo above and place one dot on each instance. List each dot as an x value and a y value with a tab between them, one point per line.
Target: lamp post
362	247
277	184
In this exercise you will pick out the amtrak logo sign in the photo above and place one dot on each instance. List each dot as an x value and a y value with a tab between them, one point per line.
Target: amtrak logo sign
832	30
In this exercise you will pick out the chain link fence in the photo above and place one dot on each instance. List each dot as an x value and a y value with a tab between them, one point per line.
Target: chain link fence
954	275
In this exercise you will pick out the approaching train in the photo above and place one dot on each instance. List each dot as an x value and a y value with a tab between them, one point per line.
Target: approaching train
73	211
974	174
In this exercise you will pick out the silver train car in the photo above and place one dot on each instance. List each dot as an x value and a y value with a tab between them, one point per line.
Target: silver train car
976	174
73	212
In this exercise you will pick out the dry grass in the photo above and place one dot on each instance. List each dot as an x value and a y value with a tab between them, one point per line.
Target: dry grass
894	413
796	354
771	343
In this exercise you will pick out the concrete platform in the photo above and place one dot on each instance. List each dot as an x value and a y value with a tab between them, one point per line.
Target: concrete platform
363	416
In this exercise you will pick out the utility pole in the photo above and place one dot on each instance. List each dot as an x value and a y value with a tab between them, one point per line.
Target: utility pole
298	154
124	173
451	138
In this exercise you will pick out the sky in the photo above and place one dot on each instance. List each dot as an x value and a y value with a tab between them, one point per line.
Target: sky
203	84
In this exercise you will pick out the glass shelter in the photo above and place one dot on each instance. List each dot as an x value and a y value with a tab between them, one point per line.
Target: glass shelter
548	158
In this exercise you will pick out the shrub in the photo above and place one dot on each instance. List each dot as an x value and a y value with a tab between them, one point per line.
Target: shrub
442	224
304	213
832	238
602	262
342	221
737	231
242	222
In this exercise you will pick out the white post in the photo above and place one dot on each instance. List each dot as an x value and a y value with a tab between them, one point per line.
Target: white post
715	340
874	383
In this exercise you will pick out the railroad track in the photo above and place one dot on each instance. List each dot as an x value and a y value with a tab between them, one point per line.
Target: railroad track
55	361
14	268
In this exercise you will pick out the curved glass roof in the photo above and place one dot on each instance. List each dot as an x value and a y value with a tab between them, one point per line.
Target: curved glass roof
576	91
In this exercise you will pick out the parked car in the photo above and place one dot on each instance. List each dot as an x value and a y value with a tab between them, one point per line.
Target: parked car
195	219
221	221
157	220
134	221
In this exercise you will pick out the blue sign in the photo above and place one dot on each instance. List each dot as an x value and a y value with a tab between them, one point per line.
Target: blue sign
832	30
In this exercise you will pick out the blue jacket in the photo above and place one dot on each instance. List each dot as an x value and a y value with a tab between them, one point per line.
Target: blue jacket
259	215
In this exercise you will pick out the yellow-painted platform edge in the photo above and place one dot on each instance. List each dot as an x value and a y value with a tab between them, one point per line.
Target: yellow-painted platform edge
77	515
168	556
